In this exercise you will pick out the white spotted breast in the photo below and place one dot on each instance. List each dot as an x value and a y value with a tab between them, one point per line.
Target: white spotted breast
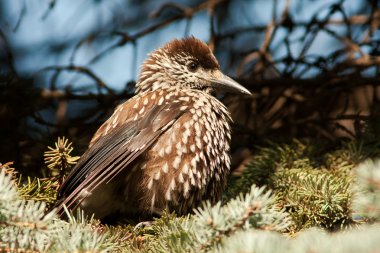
193	153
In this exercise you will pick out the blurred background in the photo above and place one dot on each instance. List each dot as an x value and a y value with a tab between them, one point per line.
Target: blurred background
313	67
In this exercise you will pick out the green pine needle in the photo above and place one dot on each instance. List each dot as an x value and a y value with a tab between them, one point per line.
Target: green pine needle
58	159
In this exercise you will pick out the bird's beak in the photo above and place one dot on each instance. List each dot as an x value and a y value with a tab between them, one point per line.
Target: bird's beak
224	83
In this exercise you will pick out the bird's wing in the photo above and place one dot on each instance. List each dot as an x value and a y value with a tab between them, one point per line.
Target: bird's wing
114	151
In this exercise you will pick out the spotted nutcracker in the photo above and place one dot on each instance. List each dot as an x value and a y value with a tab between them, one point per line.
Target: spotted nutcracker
165	148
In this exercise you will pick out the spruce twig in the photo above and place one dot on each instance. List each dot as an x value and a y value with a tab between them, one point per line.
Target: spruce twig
59	160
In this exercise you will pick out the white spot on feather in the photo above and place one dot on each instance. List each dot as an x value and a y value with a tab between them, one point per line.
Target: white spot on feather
193	162
107	129
153	201
192	179
168	149
180	178
168	195
187	125
187	132
150	184
157	175
197	129
184	138
172	184
186	188
187	99
161	153
198	142
185	168
165	168
115	119
176	162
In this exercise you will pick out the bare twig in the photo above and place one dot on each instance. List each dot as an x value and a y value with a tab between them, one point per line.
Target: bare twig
83	70
20	17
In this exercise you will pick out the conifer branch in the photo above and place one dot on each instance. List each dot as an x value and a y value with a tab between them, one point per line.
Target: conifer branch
59	160
25	227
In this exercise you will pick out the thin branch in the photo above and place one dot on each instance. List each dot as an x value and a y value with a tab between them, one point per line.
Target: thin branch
80	69
21	16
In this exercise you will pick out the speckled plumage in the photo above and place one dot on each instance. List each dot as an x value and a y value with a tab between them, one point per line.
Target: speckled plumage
167	147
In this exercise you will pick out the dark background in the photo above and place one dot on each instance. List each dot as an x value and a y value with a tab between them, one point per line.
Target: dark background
64	65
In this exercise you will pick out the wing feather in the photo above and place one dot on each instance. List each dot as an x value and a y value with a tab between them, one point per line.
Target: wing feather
113	152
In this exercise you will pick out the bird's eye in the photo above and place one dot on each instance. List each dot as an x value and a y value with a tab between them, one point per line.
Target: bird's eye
192	66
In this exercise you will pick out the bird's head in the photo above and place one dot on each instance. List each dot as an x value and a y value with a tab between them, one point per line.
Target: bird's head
187	63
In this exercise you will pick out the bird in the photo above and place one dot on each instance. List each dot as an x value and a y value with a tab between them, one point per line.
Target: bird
166	148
